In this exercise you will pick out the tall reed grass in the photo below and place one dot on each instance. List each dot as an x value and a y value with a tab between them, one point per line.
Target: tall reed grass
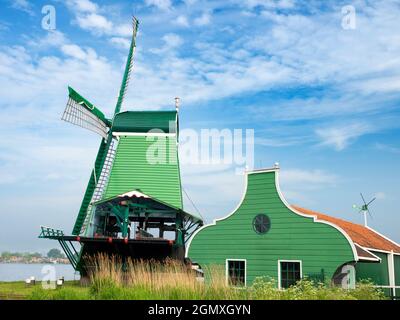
110	279
169	279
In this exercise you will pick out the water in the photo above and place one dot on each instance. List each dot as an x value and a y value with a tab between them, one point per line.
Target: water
22	271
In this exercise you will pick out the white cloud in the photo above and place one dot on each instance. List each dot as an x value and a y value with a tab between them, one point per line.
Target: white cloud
83	69
52	38
224	189
160	4
3	26
384	84
203	20
380	195
341	136
43	158
319	51
83	6
96	23
123	30
307	179
281	141
121	42
23	5
190	2
172	40
74	51
182	21
388	148
266	58
275	4
91	17
300	185
280	50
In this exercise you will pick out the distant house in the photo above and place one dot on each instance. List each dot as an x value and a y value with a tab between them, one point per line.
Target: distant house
265	236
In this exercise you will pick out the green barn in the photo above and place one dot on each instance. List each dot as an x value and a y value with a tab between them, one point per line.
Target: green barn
266	236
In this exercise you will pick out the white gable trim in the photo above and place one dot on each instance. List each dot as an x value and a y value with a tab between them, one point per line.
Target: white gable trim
366	258
280	194
383	236
315	218
219	219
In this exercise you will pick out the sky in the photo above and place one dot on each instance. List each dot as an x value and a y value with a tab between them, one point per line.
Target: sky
323	100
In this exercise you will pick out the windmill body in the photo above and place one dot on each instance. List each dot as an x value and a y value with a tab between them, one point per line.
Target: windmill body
132	206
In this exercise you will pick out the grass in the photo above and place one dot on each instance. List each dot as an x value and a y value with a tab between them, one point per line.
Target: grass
19	290
174	281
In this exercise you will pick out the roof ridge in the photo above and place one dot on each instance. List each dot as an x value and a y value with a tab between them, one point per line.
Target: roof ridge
324	214
383	236
359	233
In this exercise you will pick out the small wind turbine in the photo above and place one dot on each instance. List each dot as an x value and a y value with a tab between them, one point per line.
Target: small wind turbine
364	209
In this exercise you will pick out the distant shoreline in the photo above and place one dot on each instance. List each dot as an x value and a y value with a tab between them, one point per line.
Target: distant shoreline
54	256
39	262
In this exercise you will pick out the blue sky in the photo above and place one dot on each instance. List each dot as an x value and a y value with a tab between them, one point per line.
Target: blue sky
323	101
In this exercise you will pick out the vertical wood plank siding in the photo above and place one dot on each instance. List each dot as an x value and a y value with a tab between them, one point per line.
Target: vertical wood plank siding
397	270
377	272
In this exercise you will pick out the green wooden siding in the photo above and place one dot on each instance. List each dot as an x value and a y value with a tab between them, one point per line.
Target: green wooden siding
377	272
144	121
397	270
132	169
291	237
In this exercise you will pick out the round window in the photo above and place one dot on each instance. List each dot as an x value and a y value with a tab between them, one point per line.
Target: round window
261	224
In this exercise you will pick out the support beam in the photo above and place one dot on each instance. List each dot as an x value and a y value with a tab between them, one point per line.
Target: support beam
391	270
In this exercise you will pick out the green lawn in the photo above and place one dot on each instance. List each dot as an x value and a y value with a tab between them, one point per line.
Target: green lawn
172	280
19	290
107	289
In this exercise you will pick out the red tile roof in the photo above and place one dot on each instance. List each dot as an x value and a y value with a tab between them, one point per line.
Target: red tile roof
363	236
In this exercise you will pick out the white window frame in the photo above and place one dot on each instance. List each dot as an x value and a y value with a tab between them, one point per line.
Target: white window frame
227	270
279	270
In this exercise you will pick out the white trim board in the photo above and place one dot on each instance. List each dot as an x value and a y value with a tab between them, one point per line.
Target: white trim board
315	218
218	219
143	134
383	236
366	258
382	251
279	270
227	273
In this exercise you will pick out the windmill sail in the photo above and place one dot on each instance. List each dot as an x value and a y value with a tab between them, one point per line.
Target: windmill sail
82	113
101	159
128	67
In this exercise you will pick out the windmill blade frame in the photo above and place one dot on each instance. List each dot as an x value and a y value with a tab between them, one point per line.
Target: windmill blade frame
82	113
128	67
362	197
371	201
370	214
106	143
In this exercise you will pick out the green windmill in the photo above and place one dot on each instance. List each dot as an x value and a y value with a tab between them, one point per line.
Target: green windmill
132	206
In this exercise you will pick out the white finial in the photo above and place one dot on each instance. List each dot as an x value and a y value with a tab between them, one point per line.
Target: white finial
276	165
177	103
